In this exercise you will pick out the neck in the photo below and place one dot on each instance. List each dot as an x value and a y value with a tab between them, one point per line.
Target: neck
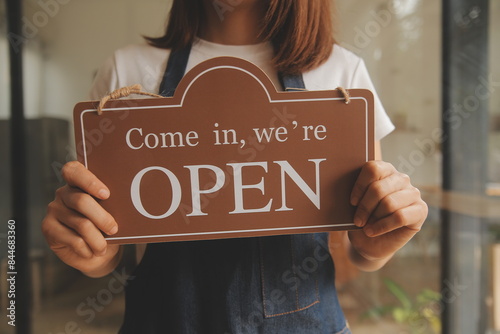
233	25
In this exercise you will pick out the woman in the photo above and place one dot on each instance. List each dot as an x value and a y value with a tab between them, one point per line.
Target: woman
253	285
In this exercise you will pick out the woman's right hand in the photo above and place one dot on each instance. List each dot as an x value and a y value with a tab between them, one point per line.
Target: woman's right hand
75	221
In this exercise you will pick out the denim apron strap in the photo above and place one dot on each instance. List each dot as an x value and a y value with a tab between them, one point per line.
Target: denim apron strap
176	68
292	82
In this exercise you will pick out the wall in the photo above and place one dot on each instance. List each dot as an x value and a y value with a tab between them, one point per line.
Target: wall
4	67
68	42
494	145
400	42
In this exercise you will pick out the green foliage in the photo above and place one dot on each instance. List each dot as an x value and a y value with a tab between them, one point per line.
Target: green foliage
421	314
495	233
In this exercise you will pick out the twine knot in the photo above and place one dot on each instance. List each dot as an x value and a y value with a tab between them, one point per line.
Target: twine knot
344	92
123	92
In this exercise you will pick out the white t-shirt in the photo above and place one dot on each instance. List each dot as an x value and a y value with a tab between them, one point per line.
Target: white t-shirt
144	64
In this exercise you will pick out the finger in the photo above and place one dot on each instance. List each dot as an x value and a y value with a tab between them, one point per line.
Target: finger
395	201
59	236
376	192
372	171
88	207
76	175
84	227
411	218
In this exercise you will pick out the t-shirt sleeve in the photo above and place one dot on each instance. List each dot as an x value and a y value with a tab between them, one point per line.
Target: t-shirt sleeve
105	81
361	79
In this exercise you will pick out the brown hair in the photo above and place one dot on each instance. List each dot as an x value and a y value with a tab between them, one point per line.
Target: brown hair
300	31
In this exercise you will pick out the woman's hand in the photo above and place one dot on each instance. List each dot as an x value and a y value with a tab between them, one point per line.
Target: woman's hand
75	221
390	212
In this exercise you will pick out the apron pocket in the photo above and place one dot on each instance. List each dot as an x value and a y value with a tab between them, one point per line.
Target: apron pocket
289	274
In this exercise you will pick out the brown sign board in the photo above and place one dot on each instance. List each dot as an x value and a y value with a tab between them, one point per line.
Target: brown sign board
227	156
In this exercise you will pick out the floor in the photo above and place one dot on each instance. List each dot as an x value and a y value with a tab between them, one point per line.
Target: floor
96	306
64	314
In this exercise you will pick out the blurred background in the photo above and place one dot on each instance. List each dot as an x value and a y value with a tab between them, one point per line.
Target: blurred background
437	73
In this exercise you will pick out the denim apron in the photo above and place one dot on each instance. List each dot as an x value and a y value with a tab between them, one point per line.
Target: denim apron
281	284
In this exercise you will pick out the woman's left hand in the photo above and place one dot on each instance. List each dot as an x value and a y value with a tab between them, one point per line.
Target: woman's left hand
389	209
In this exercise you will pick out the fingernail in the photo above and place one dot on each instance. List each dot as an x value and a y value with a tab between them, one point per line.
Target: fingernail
358	222
369	231
104	193
114	230
354	201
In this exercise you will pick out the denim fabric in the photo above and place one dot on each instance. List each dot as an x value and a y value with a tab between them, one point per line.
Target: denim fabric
292	83
176	66
282	284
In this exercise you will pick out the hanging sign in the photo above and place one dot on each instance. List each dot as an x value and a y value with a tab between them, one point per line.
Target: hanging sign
227	156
